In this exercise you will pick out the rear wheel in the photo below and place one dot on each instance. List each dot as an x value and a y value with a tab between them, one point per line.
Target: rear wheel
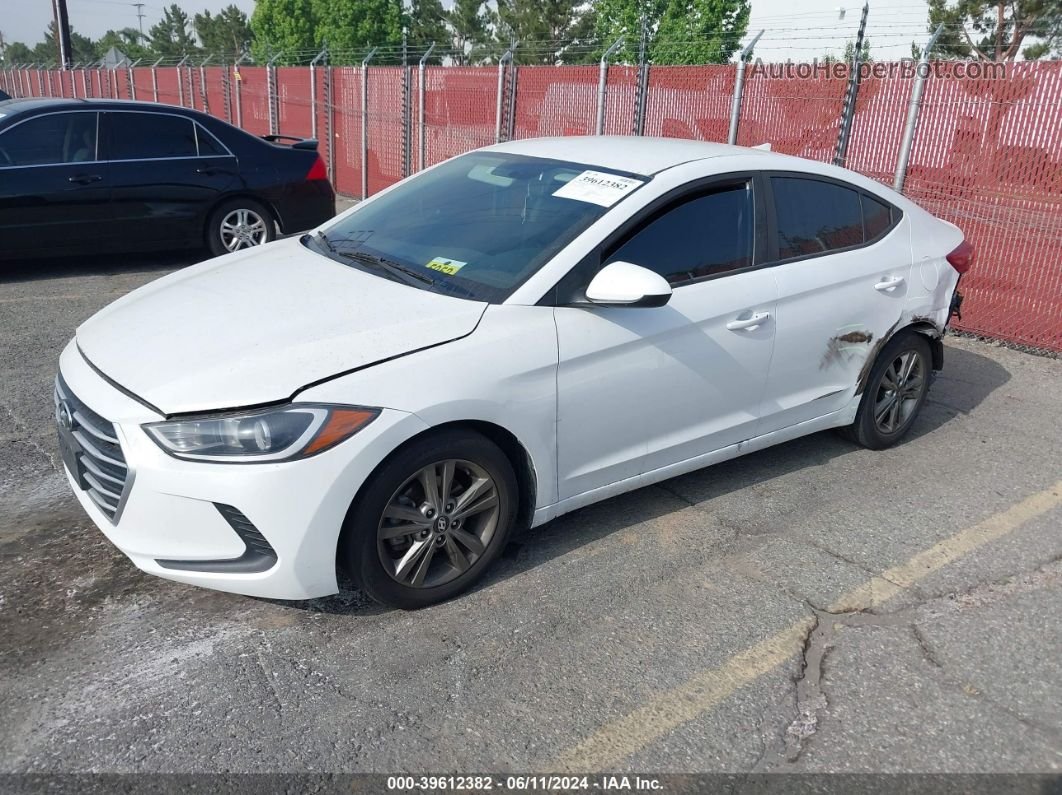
431	520
895	392
238	224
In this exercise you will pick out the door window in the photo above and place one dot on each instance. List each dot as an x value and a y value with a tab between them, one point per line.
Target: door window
703	236
209	146
150	136
50	140
815	217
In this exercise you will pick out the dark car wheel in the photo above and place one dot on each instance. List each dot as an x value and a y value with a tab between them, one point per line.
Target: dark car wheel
430	520
238	224
895	392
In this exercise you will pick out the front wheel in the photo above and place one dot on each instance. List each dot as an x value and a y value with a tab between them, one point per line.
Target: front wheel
895	392
238	224
431	520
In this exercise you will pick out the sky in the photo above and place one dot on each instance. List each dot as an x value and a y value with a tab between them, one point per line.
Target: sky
812	31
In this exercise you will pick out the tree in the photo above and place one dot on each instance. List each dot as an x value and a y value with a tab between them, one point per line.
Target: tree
540	26
288	27
18	52
172	35
470	29
700	31
127	40
678	31
426	23
995	30
354	28
228	33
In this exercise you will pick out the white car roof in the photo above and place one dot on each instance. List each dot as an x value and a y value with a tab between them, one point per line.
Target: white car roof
634	154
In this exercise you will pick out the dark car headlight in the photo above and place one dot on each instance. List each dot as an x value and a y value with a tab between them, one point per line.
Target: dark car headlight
280	433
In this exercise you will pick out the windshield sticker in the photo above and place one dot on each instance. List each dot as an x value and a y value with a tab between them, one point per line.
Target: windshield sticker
598	187
445	265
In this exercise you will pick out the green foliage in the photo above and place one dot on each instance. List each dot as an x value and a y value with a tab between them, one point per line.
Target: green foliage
353	28
469	22
283	26
172	36
226	35
996	31
18	52
126	40
546	23
426	23
678	31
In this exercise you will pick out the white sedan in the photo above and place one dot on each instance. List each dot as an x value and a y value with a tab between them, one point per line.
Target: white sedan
508	336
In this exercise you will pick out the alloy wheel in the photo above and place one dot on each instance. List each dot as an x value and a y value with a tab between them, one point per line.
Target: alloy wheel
438	523
899	392
242	229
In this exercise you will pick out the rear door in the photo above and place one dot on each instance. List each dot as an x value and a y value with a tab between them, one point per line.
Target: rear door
167	173
54	189
843	259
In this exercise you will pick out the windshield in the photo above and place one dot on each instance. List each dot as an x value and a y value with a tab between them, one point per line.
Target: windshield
477	226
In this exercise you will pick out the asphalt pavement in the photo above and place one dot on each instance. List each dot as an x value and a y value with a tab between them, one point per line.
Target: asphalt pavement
812	607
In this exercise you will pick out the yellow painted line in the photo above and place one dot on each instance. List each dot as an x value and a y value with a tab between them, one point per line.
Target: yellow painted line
629	734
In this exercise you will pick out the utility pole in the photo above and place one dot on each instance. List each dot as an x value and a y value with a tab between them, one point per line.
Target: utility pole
62	32
140	19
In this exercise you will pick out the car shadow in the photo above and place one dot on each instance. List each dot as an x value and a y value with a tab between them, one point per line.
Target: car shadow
967	380
37	269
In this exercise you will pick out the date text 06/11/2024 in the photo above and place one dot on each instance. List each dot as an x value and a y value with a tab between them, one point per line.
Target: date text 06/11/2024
516	783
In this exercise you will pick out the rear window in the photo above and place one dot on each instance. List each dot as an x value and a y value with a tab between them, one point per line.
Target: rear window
150	136
815	217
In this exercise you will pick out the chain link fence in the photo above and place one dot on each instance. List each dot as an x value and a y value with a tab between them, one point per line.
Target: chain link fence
986	154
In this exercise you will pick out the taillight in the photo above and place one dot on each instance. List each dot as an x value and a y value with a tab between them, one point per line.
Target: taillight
962	257
317	171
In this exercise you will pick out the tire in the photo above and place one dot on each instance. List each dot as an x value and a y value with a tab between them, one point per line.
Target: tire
423	566
237	224
874	429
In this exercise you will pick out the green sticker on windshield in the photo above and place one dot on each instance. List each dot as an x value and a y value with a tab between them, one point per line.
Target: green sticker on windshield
446	265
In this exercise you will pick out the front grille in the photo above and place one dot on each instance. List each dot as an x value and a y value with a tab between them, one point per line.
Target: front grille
101	470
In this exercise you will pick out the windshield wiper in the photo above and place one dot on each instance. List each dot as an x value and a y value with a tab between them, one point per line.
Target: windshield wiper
389	265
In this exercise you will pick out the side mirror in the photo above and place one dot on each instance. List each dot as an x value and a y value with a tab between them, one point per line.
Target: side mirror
627	284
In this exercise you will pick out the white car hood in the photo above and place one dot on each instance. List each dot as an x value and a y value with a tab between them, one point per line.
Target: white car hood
257	326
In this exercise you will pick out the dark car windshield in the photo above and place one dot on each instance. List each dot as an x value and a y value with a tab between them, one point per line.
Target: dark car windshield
478	226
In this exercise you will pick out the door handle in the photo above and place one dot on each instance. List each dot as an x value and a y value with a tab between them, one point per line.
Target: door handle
888	284
210	171
85	179
750	323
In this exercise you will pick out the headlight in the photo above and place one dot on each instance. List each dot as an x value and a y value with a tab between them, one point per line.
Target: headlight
280	433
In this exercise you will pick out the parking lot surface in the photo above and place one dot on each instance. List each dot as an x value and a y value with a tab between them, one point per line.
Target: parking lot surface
812	607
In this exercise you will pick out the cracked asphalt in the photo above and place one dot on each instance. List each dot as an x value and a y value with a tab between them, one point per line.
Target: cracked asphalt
696	626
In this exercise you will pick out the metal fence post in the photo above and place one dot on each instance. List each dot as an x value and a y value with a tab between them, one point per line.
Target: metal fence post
365	123
914	107
226	91
421	125
848	113
313	91
274	102
132	83
642	88
180	81
407	124
602	83
506	57
238	78
329	132
155	79
202	84
739	90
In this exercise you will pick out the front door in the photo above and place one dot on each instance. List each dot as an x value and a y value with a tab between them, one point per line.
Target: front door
54	190
642	388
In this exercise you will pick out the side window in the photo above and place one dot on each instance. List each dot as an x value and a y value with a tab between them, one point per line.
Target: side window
877	217
143	136
54	139
814	217
708	234
208	144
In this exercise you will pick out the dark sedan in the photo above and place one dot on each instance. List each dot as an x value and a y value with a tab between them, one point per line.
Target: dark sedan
102	175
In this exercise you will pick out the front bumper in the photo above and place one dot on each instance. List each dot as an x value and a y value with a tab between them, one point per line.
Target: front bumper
174	513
